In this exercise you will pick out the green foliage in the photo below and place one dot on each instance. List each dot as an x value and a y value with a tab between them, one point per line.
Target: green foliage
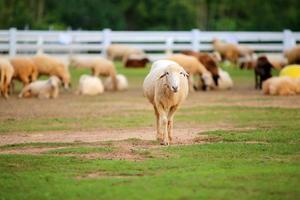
256	15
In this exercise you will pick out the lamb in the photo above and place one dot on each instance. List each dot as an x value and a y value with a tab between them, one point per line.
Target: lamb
99	66
90	85
6	74
166	87
25	69
136	61
194	67
262	71
293	55
121	52
282	86
122	83
208	61
224	82
227	51
48	65
44	89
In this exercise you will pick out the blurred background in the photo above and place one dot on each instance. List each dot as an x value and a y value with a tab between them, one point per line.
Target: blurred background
214	15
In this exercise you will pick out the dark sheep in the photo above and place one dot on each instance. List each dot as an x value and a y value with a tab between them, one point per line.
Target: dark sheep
262	71
136	63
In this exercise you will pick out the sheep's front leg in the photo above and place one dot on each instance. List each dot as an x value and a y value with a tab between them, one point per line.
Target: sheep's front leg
170	122
163	123
158	135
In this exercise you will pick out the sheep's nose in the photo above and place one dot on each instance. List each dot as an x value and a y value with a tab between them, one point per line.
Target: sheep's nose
174	88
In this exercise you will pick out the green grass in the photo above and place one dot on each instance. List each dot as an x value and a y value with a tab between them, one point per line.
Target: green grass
259	160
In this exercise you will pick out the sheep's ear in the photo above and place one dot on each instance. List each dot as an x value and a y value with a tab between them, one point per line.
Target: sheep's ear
163	75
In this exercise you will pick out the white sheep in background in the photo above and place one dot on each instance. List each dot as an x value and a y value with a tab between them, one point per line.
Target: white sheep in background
121	52
99	66
6	75
166	87
90	85
44	89
282	86
122	83
224	82
51	66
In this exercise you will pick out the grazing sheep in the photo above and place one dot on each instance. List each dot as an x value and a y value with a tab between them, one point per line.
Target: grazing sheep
262	71
99	66
122	83
121	52
293	55
136	61
6	74
194	67
282	86
166	87
25	70
44	89
292	71
277	63
90	85
245	51
246	63
227	51
208	61
48	65
225	81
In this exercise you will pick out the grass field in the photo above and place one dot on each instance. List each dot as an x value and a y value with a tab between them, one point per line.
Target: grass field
234	144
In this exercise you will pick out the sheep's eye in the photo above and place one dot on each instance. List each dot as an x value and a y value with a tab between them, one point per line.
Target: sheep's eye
167	73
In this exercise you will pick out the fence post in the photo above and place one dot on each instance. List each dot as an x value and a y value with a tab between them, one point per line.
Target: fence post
288	39
195	39
12	41
169	46
40	43
106	41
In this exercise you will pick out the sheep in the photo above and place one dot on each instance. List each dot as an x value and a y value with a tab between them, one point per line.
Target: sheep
6	74
48	65
292	71
136	61
25	69
121	52
90	85
208	61
194	67
224	82
99	66
166	87
43	89
245	51
227	51
282	86
122	83
262	71
293	55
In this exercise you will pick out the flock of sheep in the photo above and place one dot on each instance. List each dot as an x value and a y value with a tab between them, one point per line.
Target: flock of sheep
168	82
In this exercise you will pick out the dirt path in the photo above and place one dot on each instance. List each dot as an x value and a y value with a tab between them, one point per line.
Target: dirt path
180	135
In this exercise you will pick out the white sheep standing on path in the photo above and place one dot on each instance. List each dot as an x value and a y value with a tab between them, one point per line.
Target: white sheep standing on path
166	87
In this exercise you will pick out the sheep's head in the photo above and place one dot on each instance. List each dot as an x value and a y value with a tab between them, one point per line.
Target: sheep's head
208	81
172	77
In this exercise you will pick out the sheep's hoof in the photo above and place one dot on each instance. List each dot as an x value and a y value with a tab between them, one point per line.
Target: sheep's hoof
165	143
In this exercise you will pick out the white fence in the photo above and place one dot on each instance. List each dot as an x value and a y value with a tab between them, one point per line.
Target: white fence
15	42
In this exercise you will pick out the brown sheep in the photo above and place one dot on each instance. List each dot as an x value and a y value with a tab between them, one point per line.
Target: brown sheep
25	70
6	74
194	68
136	61
208	61
121	52
293	55
228	51
48	65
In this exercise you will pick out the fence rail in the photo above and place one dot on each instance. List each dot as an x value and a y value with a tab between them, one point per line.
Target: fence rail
15	42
